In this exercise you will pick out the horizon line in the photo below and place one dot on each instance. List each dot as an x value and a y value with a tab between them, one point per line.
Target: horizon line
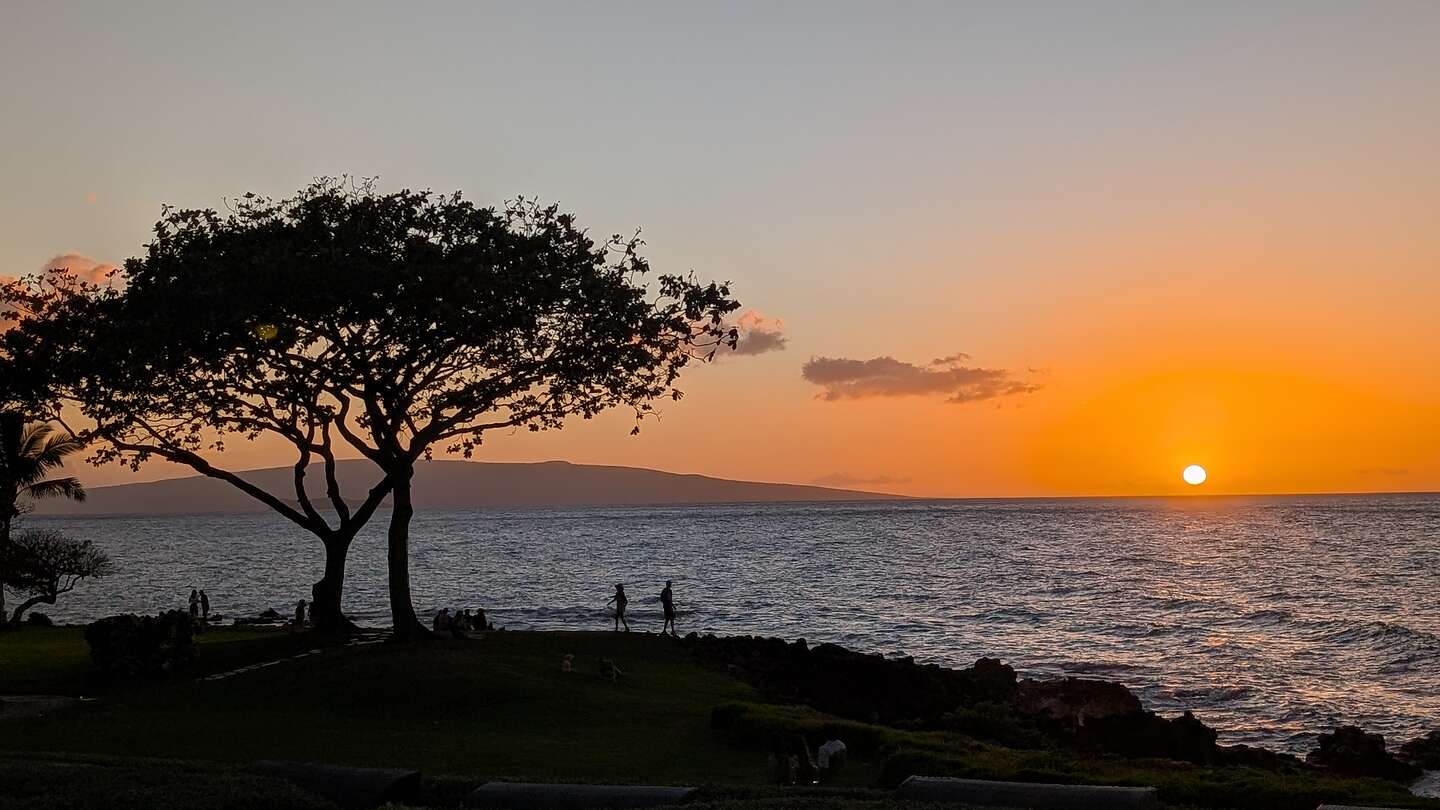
843	488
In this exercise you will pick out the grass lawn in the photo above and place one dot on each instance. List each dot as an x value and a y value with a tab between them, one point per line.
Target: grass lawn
464	712
494	708
56	660
67	782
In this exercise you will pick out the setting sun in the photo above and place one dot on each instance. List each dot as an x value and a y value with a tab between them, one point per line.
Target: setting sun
1194	475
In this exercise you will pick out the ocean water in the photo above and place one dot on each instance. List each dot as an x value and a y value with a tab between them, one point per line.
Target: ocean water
1272	618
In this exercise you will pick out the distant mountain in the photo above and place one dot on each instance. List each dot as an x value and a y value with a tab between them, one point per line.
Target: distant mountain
456	484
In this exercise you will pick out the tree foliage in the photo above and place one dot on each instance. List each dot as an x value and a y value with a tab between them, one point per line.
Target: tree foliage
29	453
392	324
42	564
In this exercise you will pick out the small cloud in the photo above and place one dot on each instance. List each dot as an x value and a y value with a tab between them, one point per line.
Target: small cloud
759	334
82	267
842	479
887	377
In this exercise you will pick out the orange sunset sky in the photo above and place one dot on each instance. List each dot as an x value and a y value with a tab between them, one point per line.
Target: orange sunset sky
1160	234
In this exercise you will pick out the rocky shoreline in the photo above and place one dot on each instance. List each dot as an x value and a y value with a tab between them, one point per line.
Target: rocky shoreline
988	702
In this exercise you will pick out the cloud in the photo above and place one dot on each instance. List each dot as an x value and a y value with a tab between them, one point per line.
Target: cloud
759	334
842	479
887	377
83	267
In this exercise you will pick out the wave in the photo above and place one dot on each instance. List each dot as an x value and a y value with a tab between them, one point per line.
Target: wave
1390	636
1210	695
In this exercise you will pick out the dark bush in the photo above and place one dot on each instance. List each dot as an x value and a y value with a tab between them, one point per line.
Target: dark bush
39	620
130	646
755	724
1179	784
905	764
997	723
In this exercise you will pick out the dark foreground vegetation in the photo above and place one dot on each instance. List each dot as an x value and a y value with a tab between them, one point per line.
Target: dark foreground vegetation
463	712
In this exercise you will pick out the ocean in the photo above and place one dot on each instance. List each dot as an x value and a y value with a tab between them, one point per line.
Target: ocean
1273	618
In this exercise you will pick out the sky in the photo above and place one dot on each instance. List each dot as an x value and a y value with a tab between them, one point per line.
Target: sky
1022	249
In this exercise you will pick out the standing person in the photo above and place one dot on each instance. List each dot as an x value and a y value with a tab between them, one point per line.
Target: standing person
300	613
204	607
667	602
620	602
194	603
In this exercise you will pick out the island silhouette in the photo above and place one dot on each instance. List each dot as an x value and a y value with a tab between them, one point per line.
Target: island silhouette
460	485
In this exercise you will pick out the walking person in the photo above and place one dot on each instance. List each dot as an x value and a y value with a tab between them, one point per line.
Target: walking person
667	602
194	604
620	602
204	607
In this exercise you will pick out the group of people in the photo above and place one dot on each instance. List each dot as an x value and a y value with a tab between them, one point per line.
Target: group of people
667	604
199	606
461	621
794	766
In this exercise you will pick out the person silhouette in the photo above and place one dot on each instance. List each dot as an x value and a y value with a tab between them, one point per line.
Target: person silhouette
620	602
204	607
667	602
300	613
194	603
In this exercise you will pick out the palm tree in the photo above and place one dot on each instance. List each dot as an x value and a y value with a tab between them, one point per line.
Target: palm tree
27	454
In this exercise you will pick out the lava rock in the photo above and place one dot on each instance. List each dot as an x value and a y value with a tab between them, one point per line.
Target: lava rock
868	688
1422	752
1078	700
1146	734
1352	752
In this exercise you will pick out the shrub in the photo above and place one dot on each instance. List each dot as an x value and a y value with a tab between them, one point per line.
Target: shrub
996	723
130	646
39	620
758	723
1177	783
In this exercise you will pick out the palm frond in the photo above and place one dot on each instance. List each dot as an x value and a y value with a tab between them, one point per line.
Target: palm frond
28	452
56	488
32	439
52	452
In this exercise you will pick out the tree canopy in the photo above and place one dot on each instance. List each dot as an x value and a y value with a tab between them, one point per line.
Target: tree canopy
41	564
393	324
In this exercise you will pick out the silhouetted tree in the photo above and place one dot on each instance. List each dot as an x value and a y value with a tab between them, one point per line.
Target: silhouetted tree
28	454
42	564
404	322
172	364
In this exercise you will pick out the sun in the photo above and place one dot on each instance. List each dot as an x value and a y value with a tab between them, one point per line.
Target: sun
1194	475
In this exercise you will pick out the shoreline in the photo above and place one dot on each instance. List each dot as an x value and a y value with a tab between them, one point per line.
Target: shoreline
1121	694
1037	672
898	717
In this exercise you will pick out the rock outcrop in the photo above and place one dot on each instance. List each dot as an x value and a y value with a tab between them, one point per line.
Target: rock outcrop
985	701
868	688
1422	752
1352	752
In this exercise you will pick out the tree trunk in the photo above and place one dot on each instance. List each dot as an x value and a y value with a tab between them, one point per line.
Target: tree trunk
326	615
4	554
402	611
26	605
